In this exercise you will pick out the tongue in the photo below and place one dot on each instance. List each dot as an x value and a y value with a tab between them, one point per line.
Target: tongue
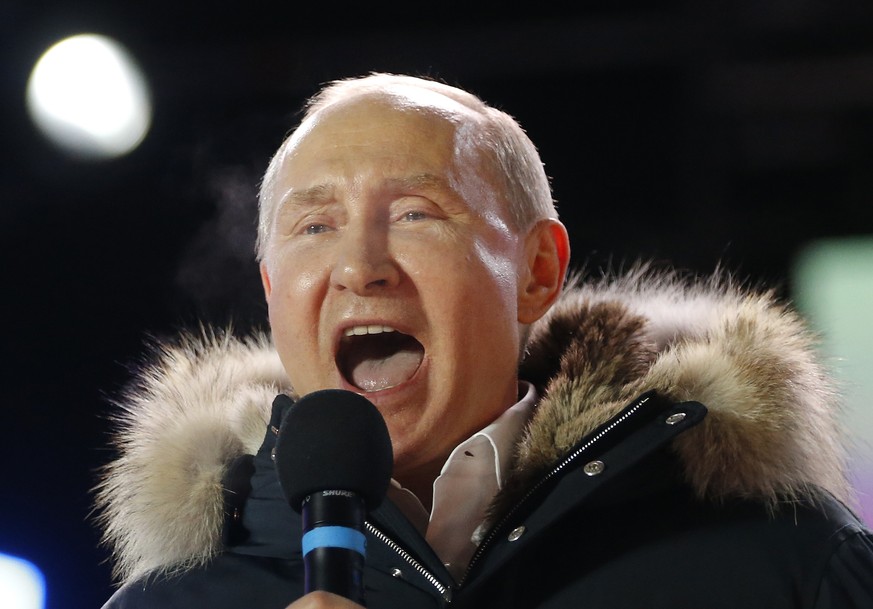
376	373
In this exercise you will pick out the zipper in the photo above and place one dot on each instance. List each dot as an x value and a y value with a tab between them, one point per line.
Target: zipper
566	461
444	591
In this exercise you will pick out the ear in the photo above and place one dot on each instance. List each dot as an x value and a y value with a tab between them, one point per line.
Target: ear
543	270
265	281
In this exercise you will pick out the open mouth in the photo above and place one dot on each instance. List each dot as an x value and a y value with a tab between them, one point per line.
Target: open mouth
375	357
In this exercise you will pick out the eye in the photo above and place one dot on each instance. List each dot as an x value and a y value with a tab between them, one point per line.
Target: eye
315	229
412	216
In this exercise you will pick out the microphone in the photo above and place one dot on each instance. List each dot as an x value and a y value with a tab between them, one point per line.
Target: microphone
334	461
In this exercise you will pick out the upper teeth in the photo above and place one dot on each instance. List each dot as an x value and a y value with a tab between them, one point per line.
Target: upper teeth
361	330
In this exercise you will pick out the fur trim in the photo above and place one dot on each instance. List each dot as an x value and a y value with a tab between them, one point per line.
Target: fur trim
771	434
196	406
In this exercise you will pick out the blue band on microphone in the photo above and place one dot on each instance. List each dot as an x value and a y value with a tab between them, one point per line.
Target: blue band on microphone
334	537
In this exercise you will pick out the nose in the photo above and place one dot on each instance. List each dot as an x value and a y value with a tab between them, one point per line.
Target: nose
364	262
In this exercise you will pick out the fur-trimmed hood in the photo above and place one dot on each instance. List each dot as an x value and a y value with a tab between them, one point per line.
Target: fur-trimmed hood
772	431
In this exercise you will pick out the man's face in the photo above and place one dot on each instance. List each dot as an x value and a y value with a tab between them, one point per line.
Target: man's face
392	271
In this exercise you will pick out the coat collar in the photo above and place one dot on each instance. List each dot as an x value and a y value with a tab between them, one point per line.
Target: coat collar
772	432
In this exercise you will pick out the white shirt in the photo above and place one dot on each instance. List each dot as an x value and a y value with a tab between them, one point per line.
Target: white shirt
470	478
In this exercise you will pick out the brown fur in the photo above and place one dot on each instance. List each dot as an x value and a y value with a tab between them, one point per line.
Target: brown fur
771	434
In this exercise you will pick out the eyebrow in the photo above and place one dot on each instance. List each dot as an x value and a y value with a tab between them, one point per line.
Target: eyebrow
419	181
322	193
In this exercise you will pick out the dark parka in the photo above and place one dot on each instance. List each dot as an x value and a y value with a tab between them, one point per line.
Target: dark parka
685	454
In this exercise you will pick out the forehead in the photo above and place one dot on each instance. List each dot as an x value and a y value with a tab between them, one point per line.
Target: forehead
369	142
399	101
384	128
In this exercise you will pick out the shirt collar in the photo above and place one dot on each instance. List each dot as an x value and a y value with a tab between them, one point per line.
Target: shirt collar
502	434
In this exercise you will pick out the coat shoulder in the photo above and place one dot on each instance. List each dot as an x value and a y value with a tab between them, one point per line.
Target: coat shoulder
193	406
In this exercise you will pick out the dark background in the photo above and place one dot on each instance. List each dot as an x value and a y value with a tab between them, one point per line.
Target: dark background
729	132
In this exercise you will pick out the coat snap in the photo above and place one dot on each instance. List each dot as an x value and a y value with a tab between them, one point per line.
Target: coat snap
516	533
675	418
594	468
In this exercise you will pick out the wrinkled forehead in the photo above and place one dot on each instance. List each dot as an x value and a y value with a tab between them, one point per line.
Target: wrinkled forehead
404	130
440	122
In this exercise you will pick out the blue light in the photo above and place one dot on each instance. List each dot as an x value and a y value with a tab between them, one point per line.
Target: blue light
22	585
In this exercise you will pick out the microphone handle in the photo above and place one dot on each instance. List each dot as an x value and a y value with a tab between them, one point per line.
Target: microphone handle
334	544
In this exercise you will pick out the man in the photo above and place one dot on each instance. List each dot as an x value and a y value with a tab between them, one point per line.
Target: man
663	443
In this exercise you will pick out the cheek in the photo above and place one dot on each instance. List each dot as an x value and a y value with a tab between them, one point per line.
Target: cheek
294	306
478	301
303	283
290	280
496	259
294	331
292	285
500	266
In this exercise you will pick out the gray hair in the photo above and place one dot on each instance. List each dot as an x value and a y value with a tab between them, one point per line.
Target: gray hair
499	137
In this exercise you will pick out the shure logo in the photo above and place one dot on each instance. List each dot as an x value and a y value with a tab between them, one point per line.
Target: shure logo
340	493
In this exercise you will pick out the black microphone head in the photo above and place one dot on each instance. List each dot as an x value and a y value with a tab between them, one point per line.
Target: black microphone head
334	440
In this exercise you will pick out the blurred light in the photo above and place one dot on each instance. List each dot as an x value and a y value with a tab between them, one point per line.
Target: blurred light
22	585
833	281
88	96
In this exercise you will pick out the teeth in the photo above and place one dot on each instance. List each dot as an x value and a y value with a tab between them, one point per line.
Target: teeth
361	330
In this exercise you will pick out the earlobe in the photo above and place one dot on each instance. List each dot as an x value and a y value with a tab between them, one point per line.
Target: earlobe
265	281
547	256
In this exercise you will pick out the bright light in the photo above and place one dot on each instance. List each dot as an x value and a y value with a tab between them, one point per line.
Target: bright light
22	586
89	97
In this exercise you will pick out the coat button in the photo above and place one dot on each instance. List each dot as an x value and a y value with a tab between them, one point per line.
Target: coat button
594	468
516	533
675	418
395	572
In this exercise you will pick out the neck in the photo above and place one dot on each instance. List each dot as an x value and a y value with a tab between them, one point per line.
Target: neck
420	483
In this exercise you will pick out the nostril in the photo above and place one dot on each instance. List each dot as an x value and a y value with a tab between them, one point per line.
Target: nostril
362	275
